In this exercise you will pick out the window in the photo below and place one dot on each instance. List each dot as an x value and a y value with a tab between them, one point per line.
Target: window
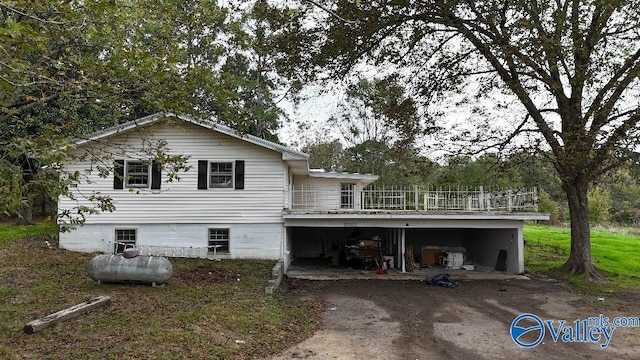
221	175
137	174
218	174
346	196
218	241
125	238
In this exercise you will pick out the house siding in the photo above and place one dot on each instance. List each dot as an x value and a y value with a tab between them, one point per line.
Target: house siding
323	193
180	202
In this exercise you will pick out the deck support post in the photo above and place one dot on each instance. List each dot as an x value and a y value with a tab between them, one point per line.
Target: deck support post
402	245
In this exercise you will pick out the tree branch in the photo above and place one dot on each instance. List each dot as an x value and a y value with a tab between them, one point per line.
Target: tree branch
330	12
631	67
33	17
603	152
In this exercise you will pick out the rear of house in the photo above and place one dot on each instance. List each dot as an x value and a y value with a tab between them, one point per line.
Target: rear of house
245	197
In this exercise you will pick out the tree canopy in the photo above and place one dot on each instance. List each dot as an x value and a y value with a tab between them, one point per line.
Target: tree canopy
70	68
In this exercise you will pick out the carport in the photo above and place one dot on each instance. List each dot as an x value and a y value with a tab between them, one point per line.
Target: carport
482	235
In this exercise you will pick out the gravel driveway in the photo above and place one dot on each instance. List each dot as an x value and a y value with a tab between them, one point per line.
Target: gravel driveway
377	319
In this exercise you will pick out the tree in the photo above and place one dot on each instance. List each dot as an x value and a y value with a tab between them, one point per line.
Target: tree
328	156
70	68
379	110
571	66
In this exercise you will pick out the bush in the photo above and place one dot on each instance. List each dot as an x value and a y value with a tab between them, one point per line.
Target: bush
626	217
547	205
599	204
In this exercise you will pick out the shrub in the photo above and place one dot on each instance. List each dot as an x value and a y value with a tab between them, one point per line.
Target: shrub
626	217
599	204
547	205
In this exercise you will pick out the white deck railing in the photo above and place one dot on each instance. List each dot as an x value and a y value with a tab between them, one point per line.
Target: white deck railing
318	197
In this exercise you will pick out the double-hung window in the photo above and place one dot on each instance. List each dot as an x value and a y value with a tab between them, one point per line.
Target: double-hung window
136	174
221	175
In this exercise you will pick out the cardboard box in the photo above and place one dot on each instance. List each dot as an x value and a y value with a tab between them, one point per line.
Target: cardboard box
430	255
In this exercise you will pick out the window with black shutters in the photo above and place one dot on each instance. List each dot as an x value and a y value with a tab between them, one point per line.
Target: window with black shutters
137	174
221	174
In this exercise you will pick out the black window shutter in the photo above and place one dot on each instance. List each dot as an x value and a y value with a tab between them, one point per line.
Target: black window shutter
156	175
202	174
118	174
239	174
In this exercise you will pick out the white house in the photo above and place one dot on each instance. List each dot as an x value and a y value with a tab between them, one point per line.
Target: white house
245	197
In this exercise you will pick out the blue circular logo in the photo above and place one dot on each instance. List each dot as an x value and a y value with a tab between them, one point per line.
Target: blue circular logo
518	331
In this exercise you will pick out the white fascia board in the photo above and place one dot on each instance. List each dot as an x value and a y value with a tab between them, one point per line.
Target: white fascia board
120	128
416	216
343	175
298	167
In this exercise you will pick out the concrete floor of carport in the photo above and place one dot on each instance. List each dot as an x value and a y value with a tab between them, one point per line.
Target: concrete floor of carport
320	272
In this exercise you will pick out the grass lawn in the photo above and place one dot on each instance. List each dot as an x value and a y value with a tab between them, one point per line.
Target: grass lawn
547	248
209	310
10	232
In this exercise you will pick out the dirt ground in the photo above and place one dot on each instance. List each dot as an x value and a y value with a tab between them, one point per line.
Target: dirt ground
374	319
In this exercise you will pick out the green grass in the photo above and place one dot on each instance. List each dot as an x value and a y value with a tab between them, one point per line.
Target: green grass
201	313
547	248
9	232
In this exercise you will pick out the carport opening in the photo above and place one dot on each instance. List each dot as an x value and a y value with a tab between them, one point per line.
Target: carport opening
483	249
344	247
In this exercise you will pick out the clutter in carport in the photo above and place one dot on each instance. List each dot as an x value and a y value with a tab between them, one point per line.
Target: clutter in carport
367	252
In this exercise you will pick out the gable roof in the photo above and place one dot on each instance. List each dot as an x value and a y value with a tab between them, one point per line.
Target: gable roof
287	153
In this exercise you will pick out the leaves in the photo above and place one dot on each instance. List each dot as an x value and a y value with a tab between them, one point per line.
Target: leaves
68	69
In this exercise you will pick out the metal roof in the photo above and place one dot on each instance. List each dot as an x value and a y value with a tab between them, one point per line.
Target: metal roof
209	124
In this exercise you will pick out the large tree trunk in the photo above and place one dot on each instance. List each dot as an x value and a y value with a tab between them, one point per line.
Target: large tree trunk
580	261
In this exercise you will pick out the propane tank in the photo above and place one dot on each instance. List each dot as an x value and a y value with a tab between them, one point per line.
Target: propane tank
117	268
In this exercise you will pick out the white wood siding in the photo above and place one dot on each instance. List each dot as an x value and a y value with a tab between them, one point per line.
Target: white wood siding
325	192
261	201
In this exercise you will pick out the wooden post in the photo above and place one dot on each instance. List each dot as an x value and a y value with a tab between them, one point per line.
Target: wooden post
66	314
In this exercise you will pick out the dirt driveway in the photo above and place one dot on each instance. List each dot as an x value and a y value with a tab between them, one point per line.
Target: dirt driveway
377	319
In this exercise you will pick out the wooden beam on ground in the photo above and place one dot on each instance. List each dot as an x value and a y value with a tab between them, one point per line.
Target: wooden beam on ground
66	314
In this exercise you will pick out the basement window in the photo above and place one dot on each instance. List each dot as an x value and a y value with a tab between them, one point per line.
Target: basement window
125	239
218	241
